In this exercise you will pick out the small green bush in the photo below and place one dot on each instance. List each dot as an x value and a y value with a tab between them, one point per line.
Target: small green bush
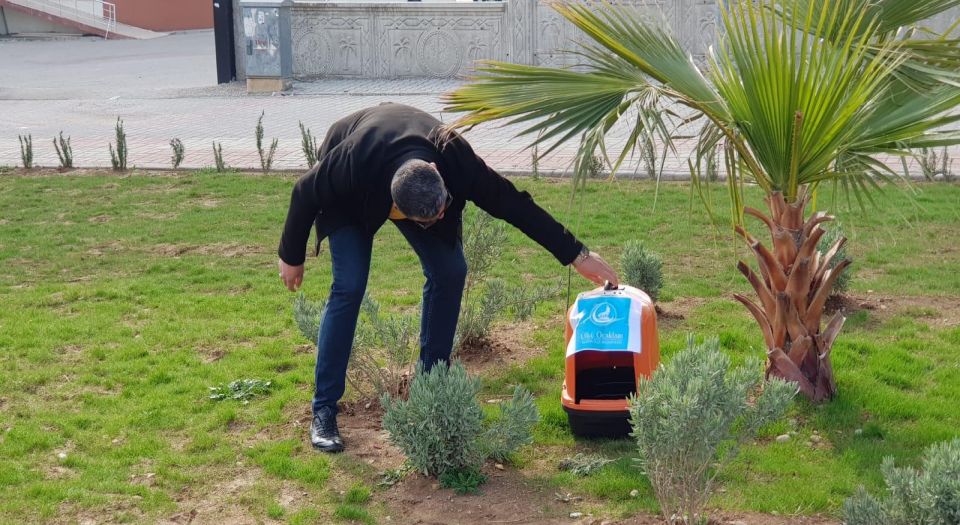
834	232
933	164
384	351
514	428
690	418
26	151
64	151
440	427
642	269
930	496
309	144
307	315
220	164
486	299
118	157
266	157
178	152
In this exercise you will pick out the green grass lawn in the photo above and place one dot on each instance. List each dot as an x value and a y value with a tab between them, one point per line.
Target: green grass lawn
125	298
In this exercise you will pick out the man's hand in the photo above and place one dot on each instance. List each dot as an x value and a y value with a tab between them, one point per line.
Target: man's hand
292	276
597	270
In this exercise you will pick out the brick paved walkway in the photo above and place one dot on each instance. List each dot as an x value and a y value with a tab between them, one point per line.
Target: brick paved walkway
155	109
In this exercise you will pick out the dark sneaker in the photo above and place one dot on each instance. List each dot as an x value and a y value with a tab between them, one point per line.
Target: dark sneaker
324	434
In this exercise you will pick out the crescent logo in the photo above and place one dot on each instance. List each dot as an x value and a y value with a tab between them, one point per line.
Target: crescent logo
603	314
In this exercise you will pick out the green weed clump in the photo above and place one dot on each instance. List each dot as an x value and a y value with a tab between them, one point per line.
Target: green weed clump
583	464
441	430
466	481
118	157
642	269
178	152
930	496
242	390
64	151
309	144
26	150
691	417
266	157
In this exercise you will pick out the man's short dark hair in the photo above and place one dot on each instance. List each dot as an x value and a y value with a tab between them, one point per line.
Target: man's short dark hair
418	190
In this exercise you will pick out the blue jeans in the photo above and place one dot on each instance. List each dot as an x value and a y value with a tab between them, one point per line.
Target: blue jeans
351	247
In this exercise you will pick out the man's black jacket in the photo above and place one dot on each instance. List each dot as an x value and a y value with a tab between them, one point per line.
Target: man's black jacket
350	184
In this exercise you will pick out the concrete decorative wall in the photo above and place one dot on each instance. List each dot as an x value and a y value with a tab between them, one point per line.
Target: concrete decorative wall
444	39
395	40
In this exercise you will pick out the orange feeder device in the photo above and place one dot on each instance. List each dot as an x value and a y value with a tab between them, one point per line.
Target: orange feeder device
611	336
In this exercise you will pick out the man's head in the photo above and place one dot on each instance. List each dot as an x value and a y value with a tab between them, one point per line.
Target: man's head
418	191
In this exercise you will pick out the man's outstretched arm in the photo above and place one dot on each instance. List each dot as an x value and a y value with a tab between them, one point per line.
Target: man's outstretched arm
326	181
500	198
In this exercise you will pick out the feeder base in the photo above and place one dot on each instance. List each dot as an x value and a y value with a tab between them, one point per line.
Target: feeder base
593	424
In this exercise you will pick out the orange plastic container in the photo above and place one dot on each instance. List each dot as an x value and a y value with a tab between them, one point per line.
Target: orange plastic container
605	362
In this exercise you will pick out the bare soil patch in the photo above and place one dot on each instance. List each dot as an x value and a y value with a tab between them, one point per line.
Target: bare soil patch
506	498
507	345
936	311
672	314
219	249
218	505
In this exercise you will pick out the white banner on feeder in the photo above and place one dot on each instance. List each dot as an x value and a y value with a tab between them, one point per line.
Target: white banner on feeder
607	321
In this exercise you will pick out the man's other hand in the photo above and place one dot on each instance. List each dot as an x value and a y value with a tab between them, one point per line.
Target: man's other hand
292	276
597	270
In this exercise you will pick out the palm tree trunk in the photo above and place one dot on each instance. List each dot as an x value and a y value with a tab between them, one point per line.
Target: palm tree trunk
792	289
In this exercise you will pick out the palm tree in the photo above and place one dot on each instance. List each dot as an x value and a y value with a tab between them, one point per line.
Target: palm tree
797	94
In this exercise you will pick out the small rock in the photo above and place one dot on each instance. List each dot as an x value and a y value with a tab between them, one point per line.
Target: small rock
815	438
435	486
869	291
150	475
810	443
491	401
738	522
576	515
783	438
606	522
115	441
858	432
883	307
62	455
368	405
498	466
634	493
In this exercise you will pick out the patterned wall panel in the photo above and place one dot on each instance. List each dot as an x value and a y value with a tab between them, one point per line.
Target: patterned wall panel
444	40
328	42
